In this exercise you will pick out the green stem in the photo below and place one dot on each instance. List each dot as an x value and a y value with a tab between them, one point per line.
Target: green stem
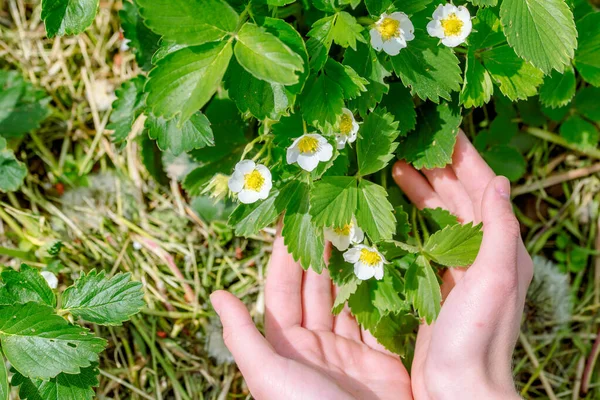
414	227
11	223
16	253
559	140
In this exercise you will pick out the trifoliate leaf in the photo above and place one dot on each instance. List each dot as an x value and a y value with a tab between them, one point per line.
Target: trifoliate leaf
399	102
394	331
487	30
40	344
142	40
185	80
587	60
106	301
387	292
587	104
333	201
438	218
431	144
477	87
266	57
68	17
540	31
319	42
506	161
455	245
423	289
346	30
62	387
430	71
322	101
24	114
194	134
126	108
558	89
4	388
303	239
361	306
344	293
12	171
189	22
375	145
248	219
24	286
517	79
374	212
340	271
579	132
350	82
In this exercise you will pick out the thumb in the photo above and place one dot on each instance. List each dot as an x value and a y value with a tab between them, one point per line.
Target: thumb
497	259
240	334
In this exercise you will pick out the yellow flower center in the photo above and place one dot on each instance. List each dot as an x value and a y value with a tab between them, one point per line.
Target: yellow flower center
308	144
369	257
254	181
389	28
344	230
452	25
345	124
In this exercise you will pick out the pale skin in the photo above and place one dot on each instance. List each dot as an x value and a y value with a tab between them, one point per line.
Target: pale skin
465	354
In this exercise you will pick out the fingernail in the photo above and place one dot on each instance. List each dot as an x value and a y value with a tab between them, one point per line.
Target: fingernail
503	187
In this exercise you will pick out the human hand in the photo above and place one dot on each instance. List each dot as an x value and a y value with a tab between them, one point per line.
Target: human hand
467	352
308	353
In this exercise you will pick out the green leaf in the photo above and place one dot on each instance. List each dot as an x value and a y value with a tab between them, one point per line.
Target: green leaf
423	289
12	171
24	286
540	31
322	101
143	42
558	89
62	387
399	102
403	227
485	3
248	219
319	42
185	80
346	31
40	344
361	306
340	271
579	132
303	239
487	30
477	87
333	201
4	388
374	212
102	300
395	330
430	71
587	60
194	134
68	17
438	218
432	143
586	103
350	82
8	100
190	22
375	145
344	293
455	245
152	159
516	78
507	161
387	293
377	7
126	108
266	57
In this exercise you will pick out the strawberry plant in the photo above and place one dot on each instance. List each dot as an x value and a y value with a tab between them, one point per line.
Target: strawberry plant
298	108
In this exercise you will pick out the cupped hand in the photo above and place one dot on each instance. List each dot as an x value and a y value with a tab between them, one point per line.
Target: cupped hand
467	352
308	353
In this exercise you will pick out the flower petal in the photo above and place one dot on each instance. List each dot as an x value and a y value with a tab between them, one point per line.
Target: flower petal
325	152
245	166
359	235
248	196
452	41
434	28
308	162
236	182
363	272
292	154
351	256
376	39
341	141
393	46
378	272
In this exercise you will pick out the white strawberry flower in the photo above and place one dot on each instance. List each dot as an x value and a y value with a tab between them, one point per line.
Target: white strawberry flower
251	182
392	32
451	24
347	129
342	237
368	262
50	278
308	150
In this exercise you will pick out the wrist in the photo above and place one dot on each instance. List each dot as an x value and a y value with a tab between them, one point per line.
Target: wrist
465	385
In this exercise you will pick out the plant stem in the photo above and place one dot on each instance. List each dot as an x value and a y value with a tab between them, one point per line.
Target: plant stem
559	140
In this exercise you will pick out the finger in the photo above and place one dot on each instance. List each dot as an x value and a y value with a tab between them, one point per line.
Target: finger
370	341
317	301
448	187
283	291
240	334
344	324
472	171
415	186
